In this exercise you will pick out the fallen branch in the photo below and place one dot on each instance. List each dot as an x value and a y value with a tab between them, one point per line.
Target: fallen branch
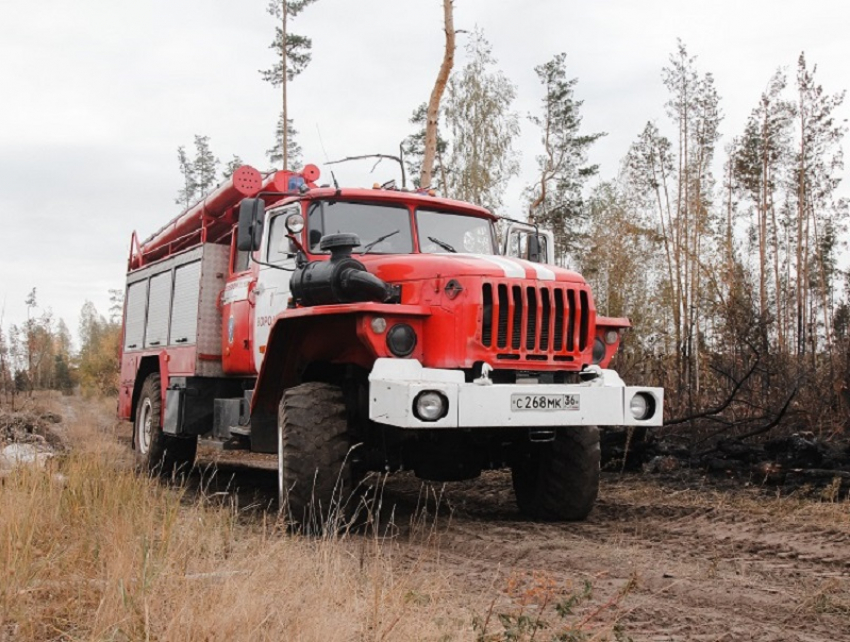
717	410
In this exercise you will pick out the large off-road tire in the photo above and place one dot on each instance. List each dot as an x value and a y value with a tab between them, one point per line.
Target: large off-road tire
315	480
559	480
157	452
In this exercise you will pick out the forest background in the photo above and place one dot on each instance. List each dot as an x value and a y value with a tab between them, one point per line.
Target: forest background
717	223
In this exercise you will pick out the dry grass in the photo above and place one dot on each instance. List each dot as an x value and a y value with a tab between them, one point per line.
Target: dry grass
91	551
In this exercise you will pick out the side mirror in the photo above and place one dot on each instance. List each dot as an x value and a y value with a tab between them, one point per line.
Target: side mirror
534	248
249	232
529	242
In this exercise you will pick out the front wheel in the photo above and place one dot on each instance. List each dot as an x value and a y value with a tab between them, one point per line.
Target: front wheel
559	480
315	480
157	452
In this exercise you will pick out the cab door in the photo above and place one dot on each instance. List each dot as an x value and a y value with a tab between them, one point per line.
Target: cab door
237	314
272	292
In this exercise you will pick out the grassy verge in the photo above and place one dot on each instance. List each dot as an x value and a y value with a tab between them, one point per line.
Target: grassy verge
91	551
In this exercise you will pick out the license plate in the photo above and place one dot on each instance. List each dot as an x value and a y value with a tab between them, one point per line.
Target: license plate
520	402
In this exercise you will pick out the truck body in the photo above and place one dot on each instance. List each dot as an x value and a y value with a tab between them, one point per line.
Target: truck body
355	331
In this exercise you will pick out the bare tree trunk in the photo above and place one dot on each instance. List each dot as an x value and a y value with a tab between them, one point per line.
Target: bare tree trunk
436	95
780	329
285	149
801	210
762	222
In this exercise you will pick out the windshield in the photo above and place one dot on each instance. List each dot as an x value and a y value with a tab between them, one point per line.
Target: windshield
383	229
444	232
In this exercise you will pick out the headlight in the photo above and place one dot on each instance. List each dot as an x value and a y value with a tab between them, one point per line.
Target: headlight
430	405
611	337
401	339
294	223
379	324
642	406
598	350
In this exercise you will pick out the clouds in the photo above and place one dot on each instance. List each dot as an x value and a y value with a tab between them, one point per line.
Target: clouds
96	95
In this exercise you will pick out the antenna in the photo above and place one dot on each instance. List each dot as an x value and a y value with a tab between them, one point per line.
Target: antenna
322	143
380	157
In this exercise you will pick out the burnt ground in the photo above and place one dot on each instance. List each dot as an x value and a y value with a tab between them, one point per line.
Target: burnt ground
686	552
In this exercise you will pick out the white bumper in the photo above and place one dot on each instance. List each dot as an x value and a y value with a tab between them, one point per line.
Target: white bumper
604	401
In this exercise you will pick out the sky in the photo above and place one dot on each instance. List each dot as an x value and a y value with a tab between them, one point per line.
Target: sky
98	94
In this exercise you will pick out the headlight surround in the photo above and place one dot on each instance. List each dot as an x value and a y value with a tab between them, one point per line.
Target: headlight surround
401	339
430	405
642	406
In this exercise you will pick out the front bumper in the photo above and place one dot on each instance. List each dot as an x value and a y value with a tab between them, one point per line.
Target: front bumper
394	385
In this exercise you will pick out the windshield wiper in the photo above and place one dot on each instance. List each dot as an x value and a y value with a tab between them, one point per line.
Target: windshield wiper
442	244
372	244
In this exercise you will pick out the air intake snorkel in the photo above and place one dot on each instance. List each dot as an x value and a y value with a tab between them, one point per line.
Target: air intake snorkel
342	279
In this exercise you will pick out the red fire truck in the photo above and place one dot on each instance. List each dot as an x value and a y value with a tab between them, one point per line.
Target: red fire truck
359	330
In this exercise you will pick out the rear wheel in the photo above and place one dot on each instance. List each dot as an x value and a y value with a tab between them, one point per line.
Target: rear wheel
559	480
315	480
157	452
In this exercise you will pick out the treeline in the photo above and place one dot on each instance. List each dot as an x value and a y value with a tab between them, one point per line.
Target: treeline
731	279
38	354
726	258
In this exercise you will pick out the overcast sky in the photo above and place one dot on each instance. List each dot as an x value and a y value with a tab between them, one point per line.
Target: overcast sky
98	94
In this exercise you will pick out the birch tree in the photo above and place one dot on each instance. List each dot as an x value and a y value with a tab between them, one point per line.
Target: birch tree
482	127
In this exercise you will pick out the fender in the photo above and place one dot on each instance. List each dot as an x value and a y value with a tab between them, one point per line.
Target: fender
603	326
343	337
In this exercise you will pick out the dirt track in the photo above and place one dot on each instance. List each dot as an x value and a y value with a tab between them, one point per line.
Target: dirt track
674	560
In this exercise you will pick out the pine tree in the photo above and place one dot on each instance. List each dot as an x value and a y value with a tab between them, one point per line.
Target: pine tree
294	53
275	153
188	193
205	166
413	148
759	166
819	162
556	197
231	166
